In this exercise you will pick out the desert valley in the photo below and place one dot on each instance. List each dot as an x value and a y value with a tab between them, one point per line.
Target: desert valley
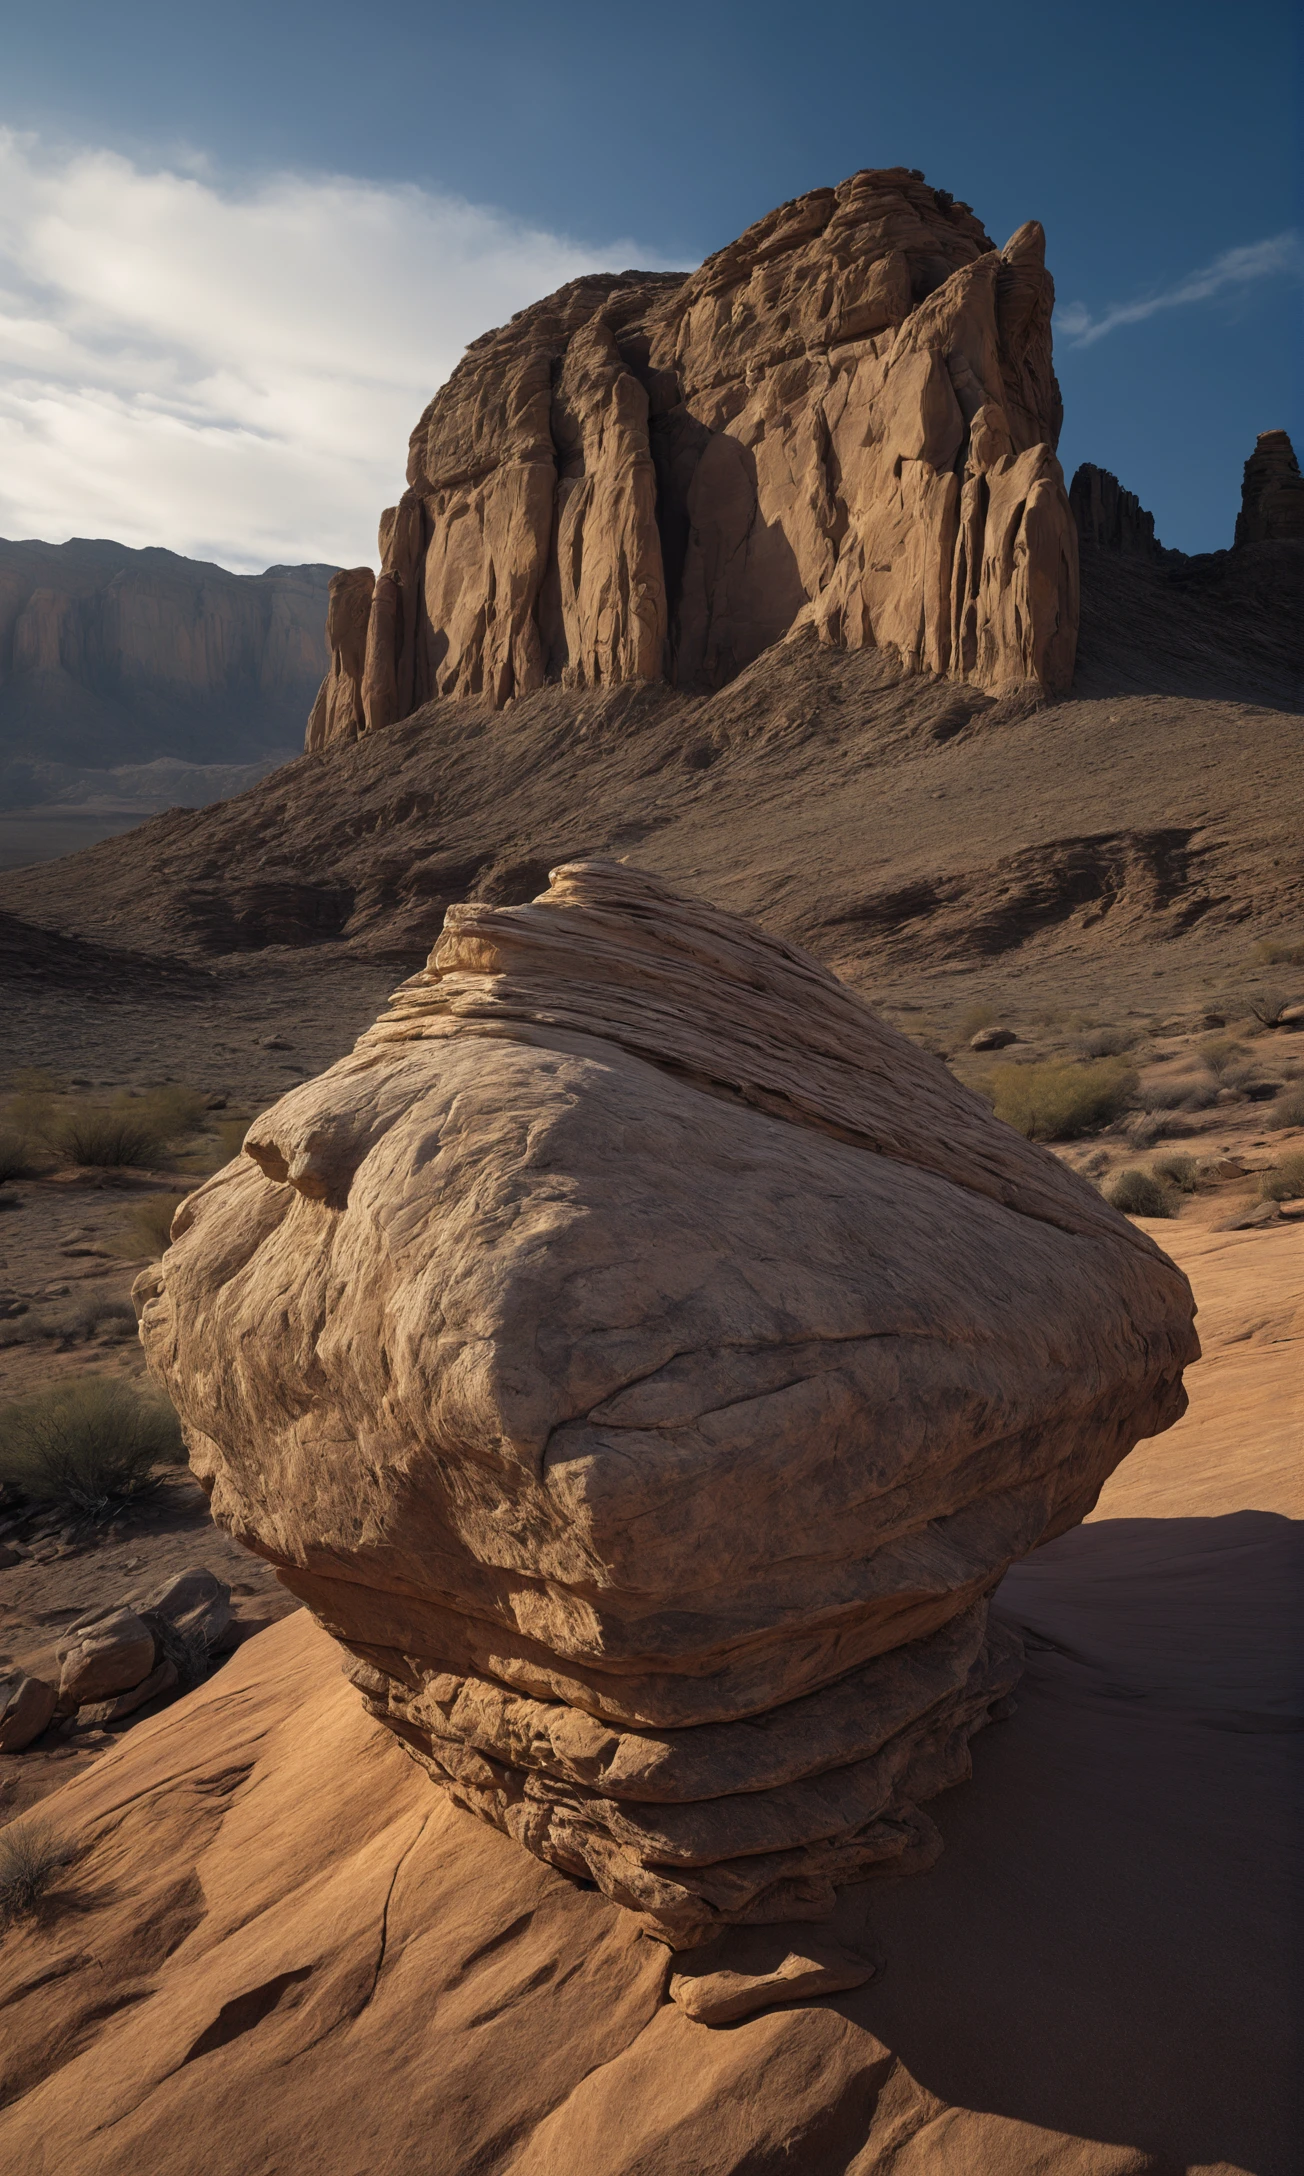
715	1174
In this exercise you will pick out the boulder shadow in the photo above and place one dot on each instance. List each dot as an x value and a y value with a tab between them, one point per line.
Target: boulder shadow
1105	1946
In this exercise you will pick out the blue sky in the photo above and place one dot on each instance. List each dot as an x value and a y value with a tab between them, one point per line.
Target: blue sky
240	246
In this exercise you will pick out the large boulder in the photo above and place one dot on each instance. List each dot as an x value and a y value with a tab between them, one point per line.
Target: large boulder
846	419
107	1652
27	1706
1272	493
646	1362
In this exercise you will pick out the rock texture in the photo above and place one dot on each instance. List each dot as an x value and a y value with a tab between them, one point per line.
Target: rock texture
646	1362
110	656
1272	494
846	419
1110	518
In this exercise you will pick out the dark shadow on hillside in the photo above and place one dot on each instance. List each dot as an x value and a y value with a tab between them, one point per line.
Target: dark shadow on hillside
1105	1947
1223	625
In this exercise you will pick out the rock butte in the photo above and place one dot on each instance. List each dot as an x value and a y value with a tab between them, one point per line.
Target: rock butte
646	1362
845	419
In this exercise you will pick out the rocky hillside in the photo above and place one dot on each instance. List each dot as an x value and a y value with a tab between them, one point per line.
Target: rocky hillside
110	656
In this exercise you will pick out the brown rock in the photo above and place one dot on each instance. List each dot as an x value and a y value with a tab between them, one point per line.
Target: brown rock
112	1653
753	1968
195	1600
649	1362
1272	494
845	419
993	1039
97	1713
339	712
27	1707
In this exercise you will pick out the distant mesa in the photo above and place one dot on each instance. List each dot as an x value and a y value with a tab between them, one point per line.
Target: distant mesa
846	420
111	656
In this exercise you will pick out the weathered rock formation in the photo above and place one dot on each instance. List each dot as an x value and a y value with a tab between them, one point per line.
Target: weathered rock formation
847	418
112	656
1109	518
1272	494
646	1362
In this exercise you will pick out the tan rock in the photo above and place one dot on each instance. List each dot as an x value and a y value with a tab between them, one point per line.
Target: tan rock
753	1968
648	1362
195	1600
112	1654
27	1706
847	418
338	713
97	1713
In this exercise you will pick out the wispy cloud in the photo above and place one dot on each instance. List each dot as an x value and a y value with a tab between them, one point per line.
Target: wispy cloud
234	373
1280	255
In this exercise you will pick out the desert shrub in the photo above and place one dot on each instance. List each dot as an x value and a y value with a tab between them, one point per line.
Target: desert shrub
31	1854
87	1445
1268	1004
1183	1092
1183	1172
1136	1193
103	1318
15	1154
1057	1100
1222	1053
230	1133
1284	1180
175	1111
185	1647
1276	952
1105	1042
101	1134
975	1017
146	1226
1288	1110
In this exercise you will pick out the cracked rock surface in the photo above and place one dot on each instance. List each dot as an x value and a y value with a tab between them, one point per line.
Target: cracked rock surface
646	1363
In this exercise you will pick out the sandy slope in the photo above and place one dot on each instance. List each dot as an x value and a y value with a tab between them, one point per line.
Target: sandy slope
280	1952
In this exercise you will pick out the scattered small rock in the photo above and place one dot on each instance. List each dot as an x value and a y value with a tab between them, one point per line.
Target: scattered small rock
753	1968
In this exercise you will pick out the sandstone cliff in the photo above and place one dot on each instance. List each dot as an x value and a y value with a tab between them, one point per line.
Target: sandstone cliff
847	419
111	656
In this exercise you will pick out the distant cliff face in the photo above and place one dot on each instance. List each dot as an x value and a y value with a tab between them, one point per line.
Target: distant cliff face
846	419
112	656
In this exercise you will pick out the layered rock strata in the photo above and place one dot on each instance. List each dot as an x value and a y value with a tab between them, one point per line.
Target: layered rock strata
847	418
646	1362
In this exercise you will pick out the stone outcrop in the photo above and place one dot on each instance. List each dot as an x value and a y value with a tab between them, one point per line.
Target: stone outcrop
846	419
1272	494
111	656
646	1363
1109	518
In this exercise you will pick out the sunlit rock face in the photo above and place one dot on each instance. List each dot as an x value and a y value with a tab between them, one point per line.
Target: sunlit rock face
646	1363
846	419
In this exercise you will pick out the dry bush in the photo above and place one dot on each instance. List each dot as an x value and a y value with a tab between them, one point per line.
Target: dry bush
1058	1099
102	1134
1222	1054
1288	1110
146	1227
15	1155
1137	1193
1105	1042
975	1017
1183	1172
1268	1004
87	1445
1188	1091
1284	1180
31	1854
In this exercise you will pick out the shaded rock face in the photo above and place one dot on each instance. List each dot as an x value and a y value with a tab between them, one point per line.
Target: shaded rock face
112	656
646	1363
1109	518
1272	494
847	418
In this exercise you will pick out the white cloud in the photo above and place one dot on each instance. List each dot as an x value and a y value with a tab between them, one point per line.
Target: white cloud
235	373
1279	254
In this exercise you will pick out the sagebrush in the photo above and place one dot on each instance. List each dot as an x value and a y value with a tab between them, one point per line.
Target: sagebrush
1059	1099
31	1854
87	1445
